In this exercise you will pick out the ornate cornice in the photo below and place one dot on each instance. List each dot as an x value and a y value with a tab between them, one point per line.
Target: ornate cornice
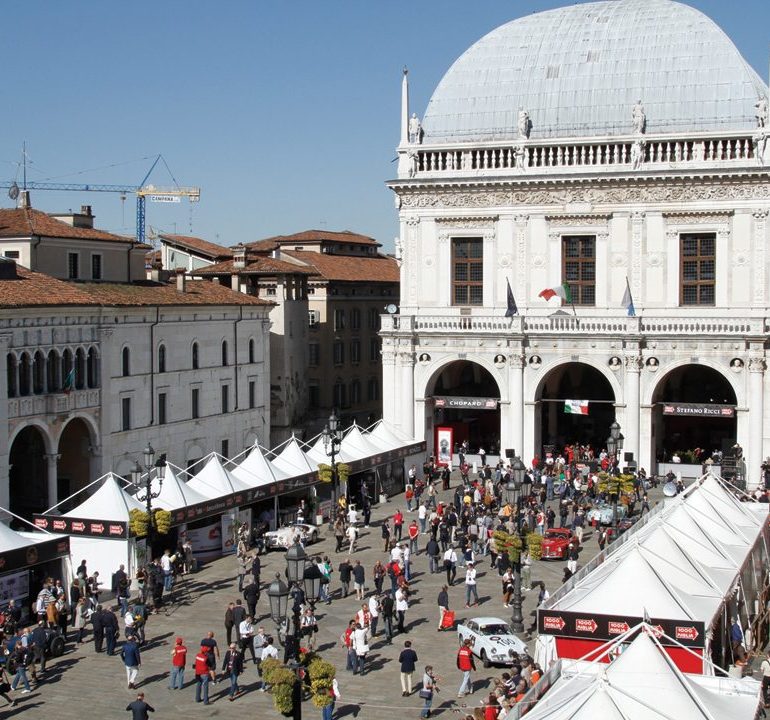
575	219
663	190
698	217
474	222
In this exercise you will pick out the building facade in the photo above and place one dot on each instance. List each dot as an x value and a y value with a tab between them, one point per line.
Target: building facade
93	371
555	156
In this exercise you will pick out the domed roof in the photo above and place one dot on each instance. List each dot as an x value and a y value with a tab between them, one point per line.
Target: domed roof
579	70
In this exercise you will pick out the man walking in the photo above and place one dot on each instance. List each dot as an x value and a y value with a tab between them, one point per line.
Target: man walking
465	664
359	580
407	660
470	586
443	606
251	595
97	623
246	631
233	667
450	565
402	605
398	525
229	623
132	659
387	616
374	614
111	629
239	615
345	569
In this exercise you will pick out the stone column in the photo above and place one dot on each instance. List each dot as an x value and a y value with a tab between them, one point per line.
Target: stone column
517	404
754	457
631	393
390	410
53	475
406	416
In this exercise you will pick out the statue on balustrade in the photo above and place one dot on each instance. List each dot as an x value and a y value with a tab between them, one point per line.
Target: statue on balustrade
762	112
525	124
415	129
639	118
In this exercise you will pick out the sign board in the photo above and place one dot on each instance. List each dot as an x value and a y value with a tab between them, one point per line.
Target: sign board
85	527
592	626
465	403
33	554
444	445
698	410
164	198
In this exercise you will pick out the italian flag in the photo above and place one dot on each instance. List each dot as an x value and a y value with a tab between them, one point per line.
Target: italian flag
576	407
561	291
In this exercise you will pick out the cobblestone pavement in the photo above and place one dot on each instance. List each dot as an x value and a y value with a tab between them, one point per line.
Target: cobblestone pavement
82	684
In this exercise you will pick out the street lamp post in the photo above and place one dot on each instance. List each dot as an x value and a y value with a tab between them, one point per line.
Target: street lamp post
332	440
614	446
296	565
146	493
513	491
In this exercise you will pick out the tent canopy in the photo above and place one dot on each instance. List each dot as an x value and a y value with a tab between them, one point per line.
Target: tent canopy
109	502
291	461
214	481
254	470
174	493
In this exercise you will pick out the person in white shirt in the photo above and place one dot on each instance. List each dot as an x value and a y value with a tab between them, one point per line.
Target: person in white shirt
269	651
360	643
246	635
422	516
397	554
407	555
470	586
374	614
352	516
352	534
165	566
450	565
129	621
402	605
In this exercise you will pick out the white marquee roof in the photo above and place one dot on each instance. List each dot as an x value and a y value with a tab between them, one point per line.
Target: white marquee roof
175	493
254	470
214	481
109	502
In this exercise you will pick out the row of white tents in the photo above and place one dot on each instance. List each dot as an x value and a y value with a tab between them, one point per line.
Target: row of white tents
214	486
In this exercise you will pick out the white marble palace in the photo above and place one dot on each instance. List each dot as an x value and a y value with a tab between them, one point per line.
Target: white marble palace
611	161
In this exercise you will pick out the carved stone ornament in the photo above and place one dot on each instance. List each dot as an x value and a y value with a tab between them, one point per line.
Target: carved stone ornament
615	363
641	192
535	361
517	362
505	261
538	261
652	364
757	365
740	259
428	261
633	363
654	259
499	360
619	259
424	358
736	365
477	222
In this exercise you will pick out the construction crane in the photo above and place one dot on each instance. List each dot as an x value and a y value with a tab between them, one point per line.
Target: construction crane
142	191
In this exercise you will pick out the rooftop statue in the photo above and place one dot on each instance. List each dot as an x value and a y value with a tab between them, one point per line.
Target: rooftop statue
525	125
761	114
415	129
639	118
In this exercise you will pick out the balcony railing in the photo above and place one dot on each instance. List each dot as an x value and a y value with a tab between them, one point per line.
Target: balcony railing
571	156
580	325
53	403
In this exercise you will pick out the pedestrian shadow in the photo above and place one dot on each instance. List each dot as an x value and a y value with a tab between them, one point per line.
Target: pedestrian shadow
151	679
347	709
377	662
157	641
326	646
419	621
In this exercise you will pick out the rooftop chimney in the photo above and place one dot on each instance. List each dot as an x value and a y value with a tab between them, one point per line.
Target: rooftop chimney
86	210
7	269
24	201
180	279
239	256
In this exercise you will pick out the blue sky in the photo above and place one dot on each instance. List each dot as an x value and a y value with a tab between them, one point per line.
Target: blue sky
285	113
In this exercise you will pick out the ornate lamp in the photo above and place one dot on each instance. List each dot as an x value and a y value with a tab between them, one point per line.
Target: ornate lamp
296	561
278	597
312	580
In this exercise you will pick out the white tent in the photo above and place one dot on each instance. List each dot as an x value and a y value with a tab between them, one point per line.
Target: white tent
291	461
357	446
109	502
387	437
642	684
213	481
254	470
174	493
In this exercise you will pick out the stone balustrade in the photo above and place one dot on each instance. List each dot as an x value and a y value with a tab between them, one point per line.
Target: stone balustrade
53	403
606	325
576	157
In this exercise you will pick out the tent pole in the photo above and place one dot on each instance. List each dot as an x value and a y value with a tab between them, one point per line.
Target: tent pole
77	492
5	510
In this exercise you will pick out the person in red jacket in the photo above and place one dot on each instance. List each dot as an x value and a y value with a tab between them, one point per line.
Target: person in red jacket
491	708
204	669
178	661
465	663
398	524
414	533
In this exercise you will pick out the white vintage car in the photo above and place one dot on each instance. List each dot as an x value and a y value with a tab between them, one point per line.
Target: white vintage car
492	640
283	538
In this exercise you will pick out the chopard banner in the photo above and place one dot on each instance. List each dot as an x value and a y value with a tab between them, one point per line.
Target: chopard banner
470	403
33	554
698	410
86	527
591	626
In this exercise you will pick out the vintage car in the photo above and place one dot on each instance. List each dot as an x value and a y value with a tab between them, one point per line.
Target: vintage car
285	537
492	640
603	513
623	525
556	542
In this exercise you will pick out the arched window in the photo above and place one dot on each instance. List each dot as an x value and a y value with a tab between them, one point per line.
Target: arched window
68	382
224	353
161	358
374	389
80	368
52	371
195	356
92	368
251	350
38	373
126	362
25	375
12	366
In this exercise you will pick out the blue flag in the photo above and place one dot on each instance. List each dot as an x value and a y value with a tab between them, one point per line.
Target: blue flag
512	309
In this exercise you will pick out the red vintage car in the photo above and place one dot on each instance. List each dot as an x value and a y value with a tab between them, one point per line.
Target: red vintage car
556	542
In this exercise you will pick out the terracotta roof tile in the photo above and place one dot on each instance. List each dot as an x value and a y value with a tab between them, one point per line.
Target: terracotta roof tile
197	292
202	246
32	289
379	268
25	222
343	236
257	266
